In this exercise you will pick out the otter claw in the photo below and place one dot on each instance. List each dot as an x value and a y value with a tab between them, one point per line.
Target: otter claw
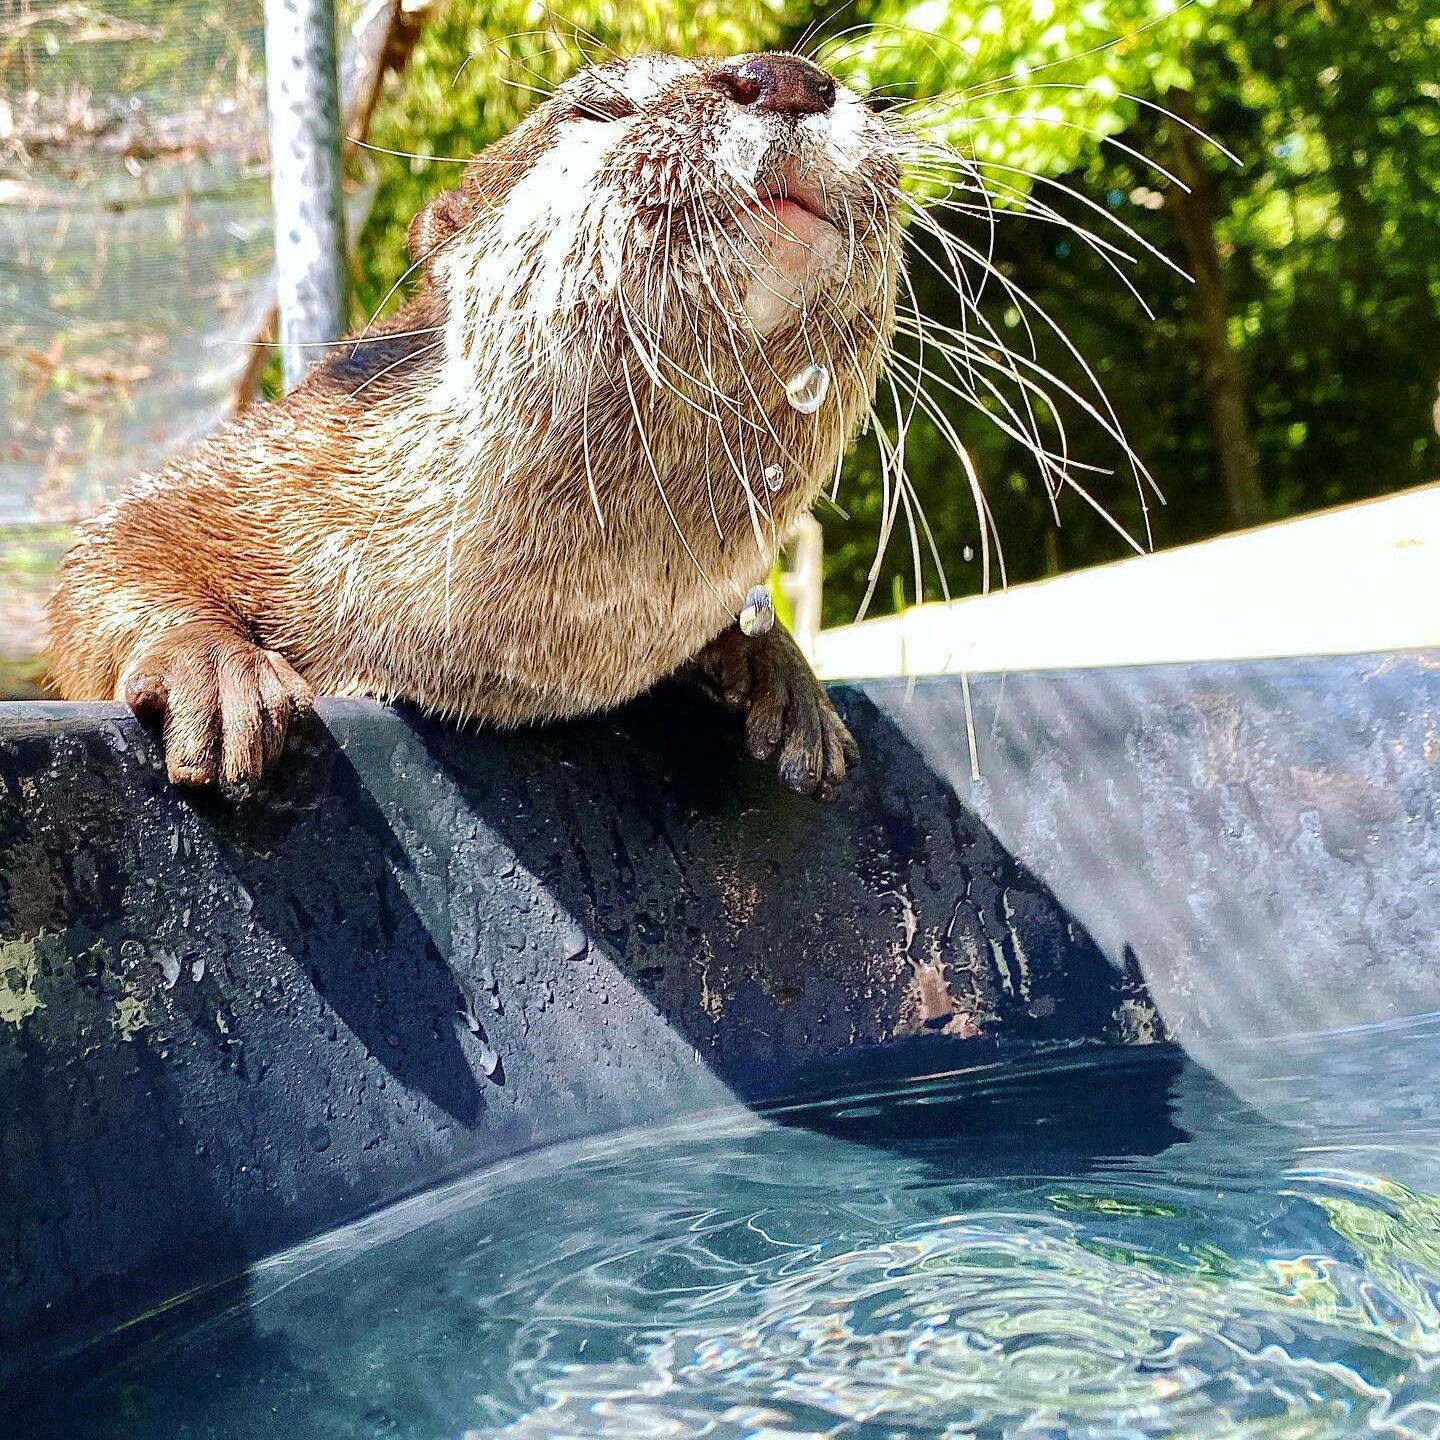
226	705
788	714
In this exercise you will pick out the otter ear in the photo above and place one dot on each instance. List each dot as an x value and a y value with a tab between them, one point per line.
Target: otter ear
443	218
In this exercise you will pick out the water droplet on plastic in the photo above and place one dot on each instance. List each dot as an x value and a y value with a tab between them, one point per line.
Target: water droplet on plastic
808	388
170	969
758	615
489	1059
774	478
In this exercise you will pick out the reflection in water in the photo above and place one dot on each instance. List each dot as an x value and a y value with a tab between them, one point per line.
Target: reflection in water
1097	1244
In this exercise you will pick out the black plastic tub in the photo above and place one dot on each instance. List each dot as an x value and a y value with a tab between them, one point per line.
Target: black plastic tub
223	1031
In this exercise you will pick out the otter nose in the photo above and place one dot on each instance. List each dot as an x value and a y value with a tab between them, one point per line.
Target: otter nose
778	84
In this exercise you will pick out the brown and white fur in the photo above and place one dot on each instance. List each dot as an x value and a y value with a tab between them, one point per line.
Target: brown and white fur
537	489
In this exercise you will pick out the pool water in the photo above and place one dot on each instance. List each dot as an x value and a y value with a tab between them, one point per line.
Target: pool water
1096	1244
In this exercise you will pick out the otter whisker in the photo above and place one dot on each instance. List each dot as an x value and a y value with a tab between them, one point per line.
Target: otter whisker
423	351
1027	206
984	515
1159	109
1008	422
1072	85
920	335
521	85
1069	481
651	357
409	154
957	355
1100	136
490	45
975	353
1060	465
907	493
873	575
410	269
709	485
1013	426
958	276
585	439
893	496
980	89
1108	253
904	488
660	488
576	30
957	248
783	452
850	242
1129	231
329	344
816	28
907	36
738	467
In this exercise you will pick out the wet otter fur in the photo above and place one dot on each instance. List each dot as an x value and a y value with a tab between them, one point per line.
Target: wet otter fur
535	490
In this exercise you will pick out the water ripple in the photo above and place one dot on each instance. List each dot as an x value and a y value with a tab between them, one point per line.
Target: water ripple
1100	1248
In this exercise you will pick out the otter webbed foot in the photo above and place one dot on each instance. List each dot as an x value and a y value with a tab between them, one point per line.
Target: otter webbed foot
226	704
788	714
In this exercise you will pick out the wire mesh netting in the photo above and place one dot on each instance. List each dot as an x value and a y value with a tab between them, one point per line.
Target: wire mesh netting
135	251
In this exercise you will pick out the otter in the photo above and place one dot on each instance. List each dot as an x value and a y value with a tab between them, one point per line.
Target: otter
551	478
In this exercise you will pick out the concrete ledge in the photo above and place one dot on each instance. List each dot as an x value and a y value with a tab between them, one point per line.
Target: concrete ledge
1359	579
222	1030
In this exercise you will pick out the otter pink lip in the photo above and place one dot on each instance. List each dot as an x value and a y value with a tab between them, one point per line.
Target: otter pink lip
796	215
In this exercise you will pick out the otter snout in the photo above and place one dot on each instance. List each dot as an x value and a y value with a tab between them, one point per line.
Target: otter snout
778	85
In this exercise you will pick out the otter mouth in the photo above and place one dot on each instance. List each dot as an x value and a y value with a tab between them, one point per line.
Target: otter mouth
798	209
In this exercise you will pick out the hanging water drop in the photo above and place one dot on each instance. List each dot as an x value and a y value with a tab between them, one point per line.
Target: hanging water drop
774	479
758	616
808	388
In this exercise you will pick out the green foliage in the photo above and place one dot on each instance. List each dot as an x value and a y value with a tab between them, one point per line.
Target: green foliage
1031	84
1327	235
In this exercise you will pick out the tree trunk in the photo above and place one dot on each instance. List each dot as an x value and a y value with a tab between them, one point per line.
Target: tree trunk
1220	367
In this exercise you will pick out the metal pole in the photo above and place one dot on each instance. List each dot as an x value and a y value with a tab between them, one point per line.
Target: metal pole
303	89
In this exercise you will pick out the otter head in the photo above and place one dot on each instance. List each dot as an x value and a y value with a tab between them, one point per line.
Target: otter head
647	262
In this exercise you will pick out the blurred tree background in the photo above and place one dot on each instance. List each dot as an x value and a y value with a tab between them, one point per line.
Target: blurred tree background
1297	370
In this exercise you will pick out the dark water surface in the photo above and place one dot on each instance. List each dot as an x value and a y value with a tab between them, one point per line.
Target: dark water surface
1101	1243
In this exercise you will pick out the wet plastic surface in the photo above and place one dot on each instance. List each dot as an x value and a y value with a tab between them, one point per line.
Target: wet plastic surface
221	1030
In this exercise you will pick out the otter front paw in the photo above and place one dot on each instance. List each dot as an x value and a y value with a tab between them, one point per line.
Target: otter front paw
788	714
227	705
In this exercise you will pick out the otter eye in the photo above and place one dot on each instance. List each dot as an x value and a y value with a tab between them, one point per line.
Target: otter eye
604	104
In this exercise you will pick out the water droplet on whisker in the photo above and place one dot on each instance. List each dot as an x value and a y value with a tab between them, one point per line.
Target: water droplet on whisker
758	616
774	479
807	388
